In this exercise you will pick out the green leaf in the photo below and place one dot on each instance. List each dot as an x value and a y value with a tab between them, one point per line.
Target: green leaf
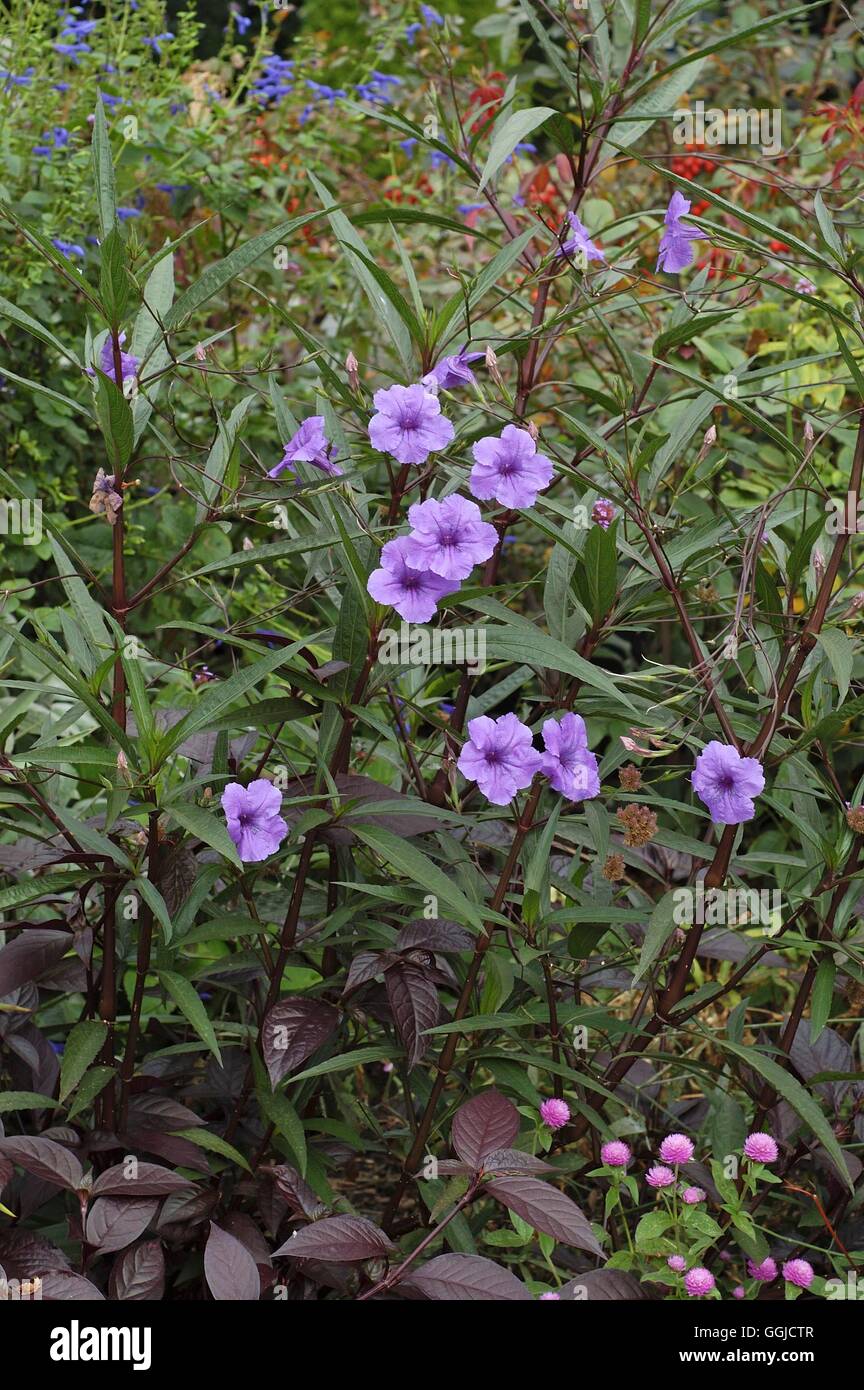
419	869
34	327
281	1113
218	698
25	1100
823	996
115	421
507	136
92	1084
206	826
114	284
660	927
82	1047
187	1001
536	648
841	655
346	1061
103	171
46	885
156	903
792	1091
212	1142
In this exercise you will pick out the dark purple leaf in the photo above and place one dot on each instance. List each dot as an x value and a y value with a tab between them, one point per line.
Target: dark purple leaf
23	1254
414	1001
113	1223
464	1278
29	956
139	1180
546	1209
62	1286
46	1160
514	1161
436	934
364	967
296	1192
138	1274
344	1238
231	1273
604	1286
487	1122
293	1029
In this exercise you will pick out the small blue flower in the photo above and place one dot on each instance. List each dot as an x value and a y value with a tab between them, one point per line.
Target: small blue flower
67	248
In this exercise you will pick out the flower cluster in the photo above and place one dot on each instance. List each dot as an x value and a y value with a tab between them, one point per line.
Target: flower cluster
500	757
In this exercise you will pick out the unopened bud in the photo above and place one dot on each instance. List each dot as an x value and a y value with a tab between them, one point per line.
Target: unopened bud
247	544
533	430
808	432
123	766
730	647
200	352
352	368
818	566
492	366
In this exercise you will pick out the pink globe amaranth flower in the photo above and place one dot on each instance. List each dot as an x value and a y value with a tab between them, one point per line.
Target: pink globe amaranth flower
509	469
760	1147
698	1281
499	757
570	767
544	1297
409	424
449	537
738	1291
727	783
764	1272
799	1272
676	1148
676	253
604	512
677	1263
616	1154
413	593
308	444
692	1196
658	1176
254	822
555	1113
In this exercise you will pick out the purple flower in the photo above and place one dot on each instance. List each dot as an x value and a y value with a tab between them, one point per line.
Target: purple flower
738	1291
409	424
67	248
764	1272
676	1148
658	1176
555	1114
156	42
698	1282
579	244
509	469
677	1263
692	1196
449	537
616	1154
414	593
798	1272
308	445
727	783
128	364
604	512
452	371
254	822
568	764
499	757
544	1297
676	253
760	1147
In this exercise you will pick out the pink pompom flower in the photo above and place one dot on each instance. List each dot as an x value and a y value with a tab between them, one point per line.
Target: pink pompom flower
760	1147
659	1176
764	1272
692	1196
676	1148
616	1154
677	1263
738	1291
799	1272
698	1281
544	1297
555	1113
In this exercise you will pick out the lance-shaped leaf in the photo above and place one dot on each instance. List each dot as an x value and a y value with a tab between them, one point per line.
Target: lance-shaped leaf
483	1124
231	1273
414	1001
342	1238
82	1048
604	1286
139	1180
293	1029
464	1278
547	1210
436	934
